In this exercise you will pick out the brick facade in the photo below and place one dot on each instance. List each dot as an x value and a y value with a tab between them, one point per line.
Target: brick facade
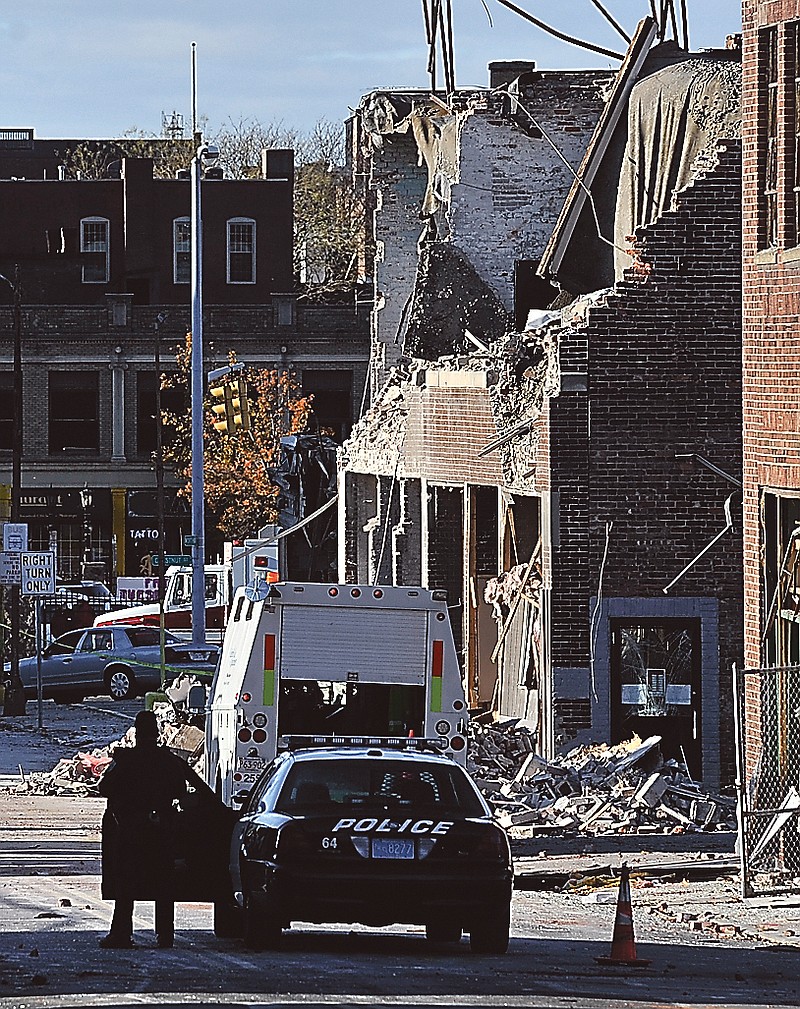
771	386
662	378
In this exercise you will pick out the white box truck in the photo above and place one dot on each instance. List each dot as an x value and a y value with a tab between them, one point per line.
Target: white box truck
330	661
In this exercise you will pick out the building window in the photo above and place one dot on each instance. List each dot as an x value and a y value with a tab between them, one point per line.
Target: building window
241	251
94	250
181	250
781	578
769	63
793	31
6	409
333	400
172	401
73	415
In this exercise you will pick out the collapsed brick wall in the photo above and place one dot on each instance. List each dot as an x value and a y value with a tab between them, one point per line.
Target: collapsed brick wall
663	377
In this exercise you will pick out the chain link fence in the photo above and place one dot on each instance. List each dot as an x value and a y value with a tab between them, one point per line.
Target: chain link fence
768	779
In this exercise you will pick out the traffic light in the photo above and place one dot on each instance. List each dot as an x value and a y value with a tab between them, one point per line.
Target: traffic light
223	408
240	406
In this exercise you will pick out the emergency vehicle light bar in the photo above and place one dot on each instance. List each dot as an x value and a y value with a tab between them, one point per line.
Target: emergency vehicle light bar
384	742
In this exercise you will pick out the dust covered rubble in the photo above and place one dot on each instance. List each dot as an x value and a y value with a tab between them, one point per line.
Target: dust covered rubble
591	789
81	773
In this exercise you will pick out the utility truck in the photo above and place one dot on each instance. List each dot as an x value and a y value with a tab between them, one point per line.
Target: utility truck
257	559
333	662
178	603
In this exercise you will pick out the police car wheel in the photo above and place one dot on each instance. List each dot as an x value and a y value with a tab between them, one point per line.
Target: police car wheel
440	931
490	933
260	929
120	683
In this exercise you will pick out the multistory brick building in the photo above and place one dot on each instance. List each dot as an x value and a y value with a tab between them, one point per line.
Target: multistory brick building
104	270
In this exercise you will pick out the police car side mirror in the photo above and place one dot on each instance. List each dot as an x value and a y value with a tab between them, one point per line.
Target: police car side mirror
241	797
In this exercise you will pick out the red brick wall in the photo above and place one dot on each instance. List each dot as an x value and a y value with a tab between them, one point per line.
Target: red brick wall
447	428
771	349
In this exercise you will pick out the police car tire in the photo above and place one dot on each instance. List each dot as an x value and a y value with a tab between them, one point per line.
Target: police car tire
120	683
260	929
440	931
490	934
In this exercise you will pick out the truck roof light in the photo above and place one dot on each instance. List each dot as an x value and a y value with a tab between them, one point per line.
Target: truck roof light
247	697
333	591
378	593
355	593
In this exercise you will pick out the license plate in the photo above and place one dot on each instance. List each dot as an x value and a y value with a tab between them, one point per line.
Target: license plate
252	764
383	848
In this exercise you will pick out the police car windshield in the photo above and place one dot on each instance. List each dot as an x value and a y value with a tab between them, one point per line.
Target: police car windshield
335	785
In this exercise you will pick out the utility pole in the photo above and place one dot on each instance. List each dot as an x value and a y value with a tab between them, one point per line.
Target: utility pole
160	500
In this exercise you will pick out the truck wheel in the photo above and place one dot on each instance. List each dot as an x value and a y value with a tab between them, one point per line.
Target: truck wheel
227	920
120	683
260	929
490	933
441	931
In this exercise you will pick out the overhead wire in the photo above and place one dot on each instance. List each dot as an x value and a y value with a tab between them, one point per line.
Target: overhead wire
611	20
571	39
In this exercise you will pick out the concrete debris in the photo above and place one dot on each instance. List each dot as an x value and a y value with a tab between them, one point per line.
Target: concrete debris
80	774
594	789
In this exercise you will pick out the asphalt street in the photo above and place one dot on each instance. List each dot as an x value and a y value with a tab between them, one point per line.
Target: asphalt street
705	946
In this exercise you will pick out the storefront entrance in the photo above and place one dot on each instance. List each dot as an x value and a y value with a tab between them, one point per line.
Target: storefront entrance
656	677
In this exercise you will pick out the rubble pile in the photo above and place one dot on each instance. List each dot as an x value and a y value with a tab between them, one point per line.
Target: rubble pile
591	789
80	774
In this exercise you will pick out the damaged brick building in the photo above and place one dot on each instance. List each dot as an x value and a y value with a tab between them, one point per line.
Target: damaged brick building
569	473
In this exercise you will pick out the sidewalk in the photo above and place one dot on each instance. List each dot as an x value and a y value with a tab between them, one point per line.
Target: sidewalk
66	729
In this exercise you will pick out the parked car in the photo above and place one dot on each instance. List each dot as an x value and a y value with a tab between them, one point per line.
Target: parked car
371	834
120	661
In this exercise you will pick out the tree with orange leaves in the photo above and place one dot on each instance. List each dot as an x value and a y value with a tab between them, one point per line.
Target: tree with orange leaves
239	490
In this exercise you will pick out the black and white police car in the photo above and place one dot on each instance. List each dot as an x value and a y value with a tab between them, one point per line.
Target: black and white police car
376	831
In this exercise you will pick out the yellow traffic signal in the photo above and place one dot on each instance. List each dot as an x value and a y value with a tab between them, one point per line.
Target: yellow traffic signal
223	409
240	406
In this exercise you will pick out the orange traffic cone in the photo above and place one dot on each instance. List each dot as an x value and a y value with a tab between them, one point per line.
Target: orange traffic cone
623	948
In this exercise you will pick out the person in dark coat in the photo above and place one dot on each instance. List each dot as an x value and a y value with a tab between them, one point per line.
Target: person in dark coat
143	785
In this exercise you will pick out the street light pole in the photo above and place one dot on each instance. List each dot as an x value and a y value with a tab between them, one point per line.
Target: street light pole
198	477
14	699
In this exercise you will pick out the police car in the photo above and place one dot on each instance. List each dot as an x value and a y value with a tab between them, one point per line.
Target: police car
375	831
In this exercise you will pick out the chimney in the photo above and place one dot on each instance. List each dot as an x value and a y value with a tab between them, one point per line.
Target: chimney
505	71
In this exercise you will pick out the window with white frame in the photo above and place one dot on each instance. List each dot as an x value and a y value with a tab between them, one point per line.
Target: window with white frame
181	250
241	250
94	250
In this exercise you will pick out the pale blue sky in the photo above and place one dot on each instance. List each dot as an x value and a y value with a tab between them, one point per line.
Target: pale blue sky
94	68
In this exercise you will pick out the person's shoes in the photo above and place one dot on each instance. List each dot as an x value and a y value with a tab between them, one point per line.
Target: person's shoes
112	941
165	942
